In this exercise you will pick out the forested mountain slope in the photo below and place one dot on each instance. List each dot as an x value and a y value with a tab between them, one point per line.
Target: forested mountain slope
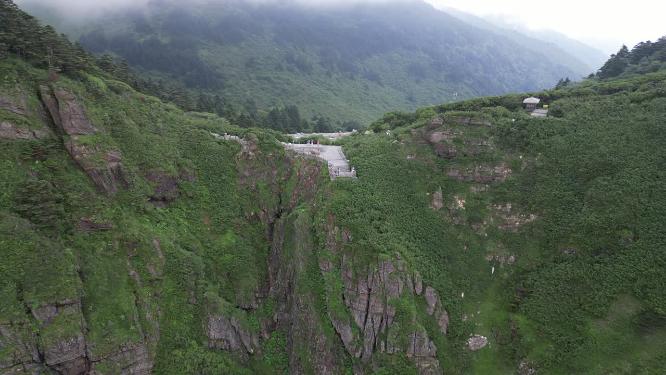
137	238
343	62
557	47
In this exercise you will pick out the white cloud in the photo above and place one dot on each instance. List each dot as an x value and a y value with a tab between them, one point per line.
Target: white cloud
595	21
604	23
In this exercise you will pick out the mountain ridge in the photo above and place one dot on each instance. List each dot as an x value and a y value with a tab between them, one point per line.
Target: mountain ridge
348	63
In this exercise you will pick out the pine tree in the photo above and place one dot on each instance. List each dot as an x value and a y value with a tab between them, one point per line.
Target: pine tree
616	64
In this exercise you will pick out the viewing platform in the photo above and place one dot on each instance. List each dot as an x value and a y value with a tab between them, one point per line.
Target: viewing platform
338	165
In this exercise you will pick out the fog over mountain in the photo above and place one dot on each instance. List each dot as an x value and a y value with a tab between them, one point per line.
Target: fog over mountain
78	7
160	215
348	61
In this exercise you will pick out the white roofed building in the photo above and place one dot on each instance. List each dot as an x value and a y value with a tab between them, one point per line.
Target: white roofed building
531	103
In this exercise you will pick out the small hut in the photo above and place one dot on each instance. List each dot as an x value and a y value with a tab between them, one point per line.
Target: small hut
531	103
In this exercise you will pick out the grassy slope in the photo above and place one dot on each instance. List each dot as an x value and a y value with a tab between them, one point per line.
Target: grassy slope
204	235
592	174
594	177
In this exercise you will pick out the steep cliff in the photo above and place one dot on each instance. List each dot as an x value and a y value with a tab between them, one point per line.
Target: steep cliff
138	239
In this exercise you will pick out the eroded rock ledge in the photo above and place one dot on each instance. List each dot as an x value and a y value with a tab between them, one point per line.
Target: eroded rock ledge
372	295
102	164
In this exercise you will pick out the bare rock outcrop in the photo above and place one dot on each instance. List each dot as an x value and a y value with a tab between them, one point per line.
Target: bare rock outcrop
296	311
15	106
129	359
166	186
370	297
19	345
437	200
482	174
446	150
467	120
423	352
227	333
72	114
435	309
89	225
477	342
509	219
103	166
65	353
11	131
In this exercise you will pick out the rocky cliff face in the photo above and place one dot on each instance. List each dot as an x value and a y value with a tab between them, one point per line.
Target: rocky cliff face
309	288
102	164
372	293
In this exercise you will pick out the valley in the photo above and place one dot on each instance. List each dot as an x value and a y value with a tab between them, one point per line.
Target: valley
138	236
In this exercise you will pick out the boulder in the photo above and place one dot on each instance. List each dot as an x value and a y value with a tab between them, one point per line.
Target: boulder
477	342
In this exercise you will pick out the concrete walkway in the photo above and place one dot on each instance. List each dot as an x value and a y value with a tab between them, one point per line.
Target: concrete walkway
330	136
338	165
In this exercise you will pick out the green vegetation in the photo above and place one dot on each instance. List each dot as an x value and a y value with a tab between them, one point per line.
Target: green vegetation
544	235
585	294
348	63
645	57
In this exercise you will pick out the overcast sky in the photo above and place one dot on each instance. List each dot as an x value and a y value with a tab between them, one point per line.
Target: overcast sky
606	23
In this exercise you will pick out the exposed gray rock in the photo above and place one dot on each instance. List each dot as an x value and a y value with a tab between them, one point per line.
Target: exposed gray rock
130	359
368	296
103	166
109	175
467	120
227	333
19	347
502	259
11	131
67	354
346	333
481	174
418	283
477	342
46	313
89	225
432	299
446	150
15	106
434	308
424	353
509	219
526	368
437	200
166	186
74	120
